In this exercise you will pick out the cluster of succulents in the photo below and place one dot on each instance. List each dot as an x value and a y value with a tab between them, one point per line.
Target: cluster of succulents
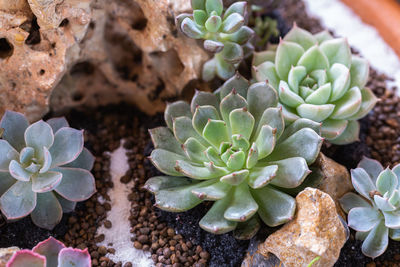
44	169
232	147
224	32
50	253
264	27
318	78
375	211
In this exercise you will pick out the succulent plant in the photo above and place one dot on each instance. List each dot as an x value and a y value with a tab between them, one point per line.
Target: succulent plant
232	147
44	169
318	78
224	33
50	253
264	27
375	211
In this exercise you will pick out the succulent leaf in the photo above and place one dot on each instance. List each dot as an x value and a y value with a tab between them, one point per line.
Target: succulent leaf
48	211
50	249
237	153
376	242
14	125
25	257
318	78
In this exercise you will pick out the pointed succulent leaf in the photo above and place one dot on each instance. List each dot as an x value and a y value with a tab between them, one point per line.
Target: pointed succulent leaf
359	71
261	176
274	118
48	211
333	128
232	23
320	76
174	110
314	59
386	182
305	143
195	150
50	249
239	142
181	198
47	160
163	138
242	206
349	135
26	155
275	207
241	36
6	181
200	16
199	172
18	201
321	95
296	75
263	56
298	125
213	23
241	122
252	157
157	183
18	172
212	192
316	113
323	36
376	242
383	204
301	37
232	53
213	156
231	102
214	5
85	160
348	105
68	144
76	184
216	132
394	199
362	182
213	46
25	258
287	55
44	182
395	169
202	115
237	82
363	218
236	161
191	29
339	74
265	141
266	72
368	102
291	172
39	135
261	96
235	178
238	7
57	123
248	229
351	200
14	125
288	97
74	257
66	205
338	51
183	130
214	220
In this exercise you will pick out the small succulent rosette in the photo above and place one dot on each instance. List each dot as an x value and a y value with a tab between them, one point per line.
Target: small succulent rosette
375	211
224	33
318	78
44	169
232	148
50	253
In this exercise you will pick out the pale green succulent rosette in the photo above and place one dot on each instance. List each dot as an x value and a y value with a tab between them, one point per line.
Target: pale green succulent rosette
318	78
375	212
224	33
44	169
232	148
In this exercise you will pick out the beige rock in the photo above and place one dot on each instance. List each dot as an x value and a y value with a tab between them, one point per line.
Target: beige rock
336	179
6	254
315	231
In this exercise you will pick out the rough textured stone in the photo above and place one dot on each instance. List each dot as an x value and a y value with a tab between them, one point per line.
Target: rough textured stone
336	181
315	231
6	254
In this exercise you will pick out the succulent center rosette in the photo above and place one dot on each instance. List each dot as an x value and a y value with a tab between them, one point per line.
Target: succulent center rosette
44	169
375	212
232	148
318	78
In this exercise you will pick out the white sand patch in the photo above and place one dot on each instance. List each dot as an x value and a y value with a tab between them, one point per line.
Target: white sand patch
338	17
119	234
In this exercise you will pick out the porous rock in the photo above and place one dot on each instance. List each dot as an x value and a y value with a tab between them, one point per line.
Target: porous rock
316	230
6	254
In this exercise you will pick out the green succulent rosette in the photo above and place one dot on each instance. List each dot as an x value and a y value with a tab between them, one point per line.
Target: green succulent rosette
375	211
318	78
224	32
232	147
